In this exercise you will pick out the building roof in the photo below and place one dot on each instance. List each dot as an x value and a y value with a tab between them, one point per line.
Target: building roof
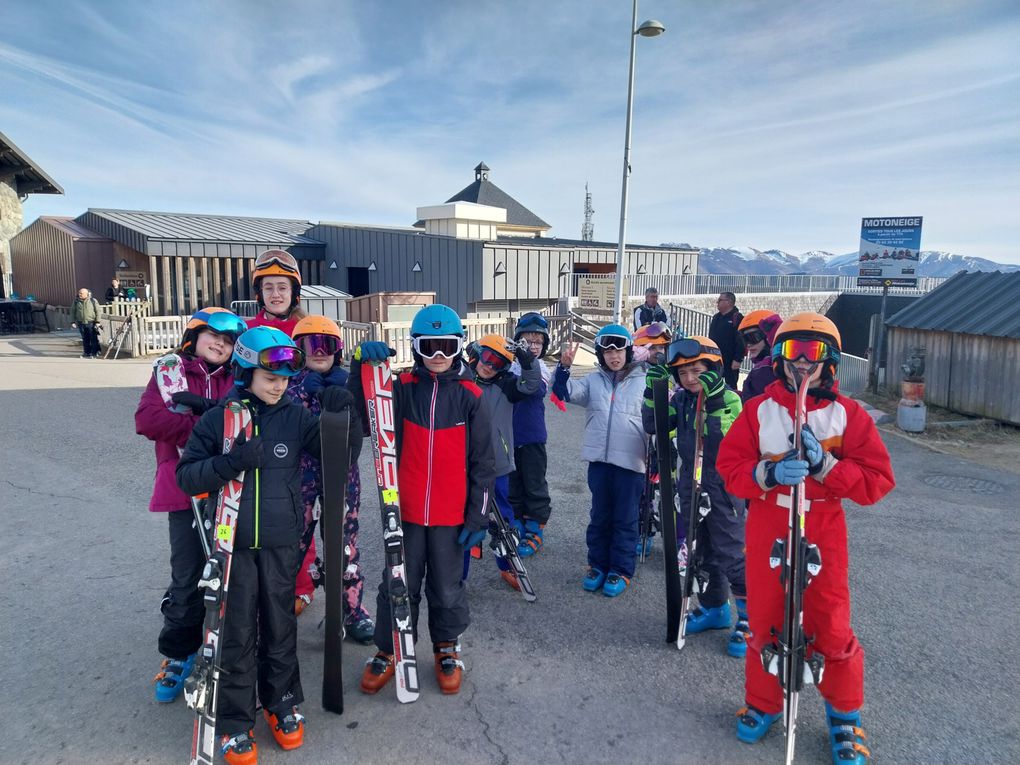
73	228
546	242
322	291
485	192
971	303
191	234
26	176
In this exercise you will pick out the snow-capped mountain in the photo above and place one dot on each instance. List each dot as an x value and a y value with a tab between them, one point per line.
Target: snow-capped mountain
748	260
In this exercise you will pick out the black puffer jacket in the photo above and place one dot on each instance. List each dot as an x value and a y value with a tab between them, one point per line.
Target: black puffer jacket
287	429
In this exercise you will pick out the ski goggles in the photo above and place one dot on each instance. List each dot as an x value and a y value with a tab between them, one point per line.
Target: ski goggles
494	361
687	348
281	358
793	349
225	323
614	342
752	336
274	260
320	345
447	346
536	320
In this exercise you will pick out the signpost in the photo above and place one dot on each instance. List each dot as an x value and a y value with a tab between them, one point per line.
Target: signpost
598	292
889	255
131	279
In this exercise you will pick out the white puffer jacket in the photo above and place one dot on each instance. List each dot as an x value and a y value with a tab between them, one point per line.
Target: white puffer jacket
613	431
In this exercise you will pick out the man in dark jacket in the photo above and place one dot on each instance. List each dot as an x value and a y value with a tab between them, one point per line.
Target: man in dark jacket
115	292
724	332
650	311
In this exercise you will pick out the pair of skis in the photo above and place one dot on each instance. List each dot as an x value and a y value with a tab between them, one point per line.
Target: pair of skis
684	575
648	517
798	562
505	541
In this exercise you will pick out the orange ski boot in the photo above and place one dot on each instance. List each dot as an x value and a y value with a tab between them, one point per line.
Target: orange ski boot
289	730
449	667
378	671
511	578
239	749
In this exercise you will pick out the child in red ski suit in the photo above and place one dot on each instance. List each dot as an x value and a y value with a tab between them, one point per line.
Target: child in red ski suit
845	458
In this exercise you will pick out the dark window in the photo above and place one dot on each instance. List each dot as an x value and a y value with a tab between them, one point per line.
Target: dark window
357	281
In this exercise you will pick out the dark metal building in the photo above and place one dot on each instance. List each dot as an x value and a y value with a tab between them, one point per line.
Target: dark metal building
56	256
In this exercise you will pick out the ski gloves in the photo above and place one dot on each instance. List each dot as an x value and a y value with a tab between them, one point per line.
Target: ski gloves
373	350
246	454
336	398
654	373
524	355
199	405
470	538
790	470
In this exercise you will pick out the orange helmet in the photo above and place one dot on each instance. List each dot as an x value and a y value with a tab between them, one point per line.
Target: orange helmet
499	344
751	320
276	263
317	325
813	324
656	333
687	350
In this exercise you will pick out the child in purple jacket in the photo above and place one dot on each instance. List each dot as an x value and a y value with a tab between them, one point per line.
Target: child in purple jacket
205	351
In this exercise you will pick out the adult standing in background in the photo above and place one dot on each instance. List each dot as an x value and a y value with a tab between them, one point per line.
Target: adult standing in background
85	317
115	291
650	311
724	332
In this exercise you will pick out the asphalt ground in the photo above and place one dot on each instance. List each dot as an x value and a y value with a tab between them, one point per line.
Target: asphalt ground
574	678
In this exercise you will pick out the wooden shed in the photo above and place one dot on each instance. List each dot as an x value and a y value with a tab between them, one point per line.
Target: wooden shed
969	328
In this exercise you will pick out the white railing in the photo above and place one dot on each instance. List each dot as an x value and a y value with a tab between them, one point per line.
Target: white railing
706	284
126	308
353	333
161	334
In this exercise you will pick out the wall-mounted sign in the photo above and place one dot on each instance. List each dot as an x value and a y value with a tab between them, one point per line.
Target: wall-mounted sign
890	251
131	279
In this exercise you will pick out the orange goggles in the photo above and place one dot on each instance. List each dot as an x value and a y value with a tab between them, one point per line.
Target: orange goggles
814	351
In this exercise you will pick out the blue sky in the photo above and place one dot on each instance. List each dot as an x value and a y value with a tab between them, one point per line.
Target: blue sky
772	124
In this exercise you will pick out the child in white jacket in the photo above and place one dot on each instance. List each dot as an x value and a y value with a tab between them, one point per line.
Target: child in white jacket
614	447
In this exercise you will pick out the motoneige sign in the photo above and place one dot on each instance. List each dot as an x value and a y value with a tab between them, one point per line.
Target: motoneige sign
889	252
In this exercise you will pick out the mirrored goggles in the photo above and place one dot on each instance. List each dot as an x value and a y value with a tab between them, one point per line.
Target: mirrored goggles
657	329
616	342
320	345
281	357
792	349
226	324
275	260
753	336
495	361
447	346
687	348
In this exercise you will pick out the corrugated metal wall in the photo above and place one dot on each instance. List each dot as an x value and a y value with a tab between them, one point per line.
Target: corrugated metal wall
42	263
973	374
452	268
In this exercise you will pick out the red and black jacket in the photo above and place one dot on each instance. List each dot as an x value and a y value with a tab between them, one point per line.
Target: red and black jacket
445	463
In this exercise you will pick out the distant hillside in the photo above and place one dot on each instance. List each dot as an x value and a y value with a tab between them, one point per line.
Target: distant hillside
748	260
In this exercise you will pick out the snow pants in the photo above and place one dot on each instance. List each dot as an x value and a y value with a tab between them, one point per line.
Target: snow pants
826	606
353	578
529	490
432	556
612	533
259	638
720	546
182	606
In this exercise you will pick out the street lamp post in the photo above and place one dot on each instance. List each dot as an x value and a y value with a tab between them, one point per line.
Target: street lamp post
649	28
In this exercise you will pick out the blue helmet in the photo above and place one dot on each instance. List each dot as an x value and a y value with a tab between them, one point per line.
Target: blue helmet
613	336
435	320
267	348
533	322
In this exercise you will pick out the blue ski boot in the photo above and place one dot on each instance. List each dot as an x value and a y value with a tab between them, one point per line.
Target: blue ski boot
753	724
647	544
531	539
701	619
170	678
846	737
615	584
737	646
594	579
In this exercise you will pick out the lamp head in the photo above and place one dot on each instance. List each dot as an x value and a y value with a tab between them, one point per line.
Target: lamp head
651	28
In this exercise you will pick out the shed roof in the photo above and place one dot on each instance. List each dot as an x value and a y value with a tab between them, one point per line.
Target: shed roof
73	228
485	192
971	303
322	291
26	176
195	227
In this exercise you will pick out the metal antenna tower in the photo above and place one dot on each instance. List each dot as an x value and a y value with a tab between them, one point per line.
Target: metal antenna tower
588	229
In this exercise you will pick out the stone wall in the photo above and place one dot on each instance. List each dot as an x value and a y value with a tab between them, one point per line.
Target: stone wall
11	217
783	303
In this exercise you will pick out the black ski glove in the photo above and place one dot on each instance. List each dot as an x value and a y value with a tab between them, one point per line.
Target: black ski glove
524	355
336	398
199	405
247	454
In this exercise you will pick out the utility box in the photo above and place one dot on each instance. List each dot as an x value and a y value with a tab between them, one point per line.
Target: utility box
387	306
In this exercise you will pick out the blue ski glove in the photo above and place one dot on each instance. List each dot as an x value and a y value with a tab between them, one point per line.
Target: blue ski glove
789	471
813	451
313	383
373	350
470	538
